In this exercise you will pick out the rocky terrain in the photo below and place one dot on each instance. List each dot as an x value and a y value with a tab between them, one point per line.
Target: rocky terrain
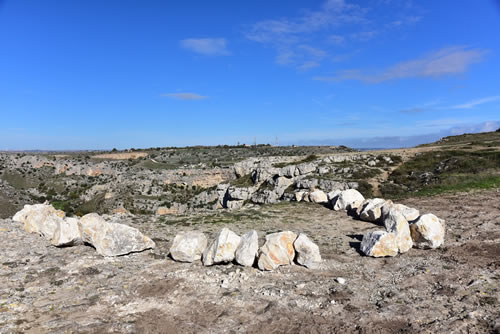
162	192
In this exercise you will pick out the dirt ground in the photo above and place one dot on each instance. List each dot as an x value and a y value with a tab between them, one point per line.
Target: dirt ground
454	289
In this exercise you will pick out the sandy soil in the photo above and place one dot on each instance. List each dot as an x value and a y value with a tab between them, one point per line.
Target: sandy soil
454	289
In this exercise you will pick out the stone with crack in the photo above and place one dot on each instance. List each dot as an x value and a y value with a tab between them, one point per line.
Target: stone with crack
247	249
396	223
222	249
67	233
307	252
428	231
278	250
188	246
379	244
112	239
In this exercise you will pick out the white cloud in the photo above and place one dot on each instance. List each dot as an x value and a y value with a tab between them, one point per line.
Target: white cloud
288	35
473	103
447	61
206	46
184	96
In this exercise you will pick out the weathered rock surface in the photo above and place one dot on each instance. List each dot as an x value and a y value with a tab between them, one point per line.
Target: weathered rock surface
428	231
112	239
222	249
188	246
247	249
307	251
396	223
348	199
318	196
278	250
371	209
410	214
67	233
40	218
379	244
299	195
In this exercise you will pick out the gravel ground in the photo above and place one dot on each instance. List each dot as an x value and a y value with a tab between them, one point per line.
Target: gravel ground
454	289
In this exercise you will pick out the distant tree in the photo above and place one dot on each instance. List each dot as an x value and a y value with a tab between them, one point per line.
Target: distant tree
498	130
114	150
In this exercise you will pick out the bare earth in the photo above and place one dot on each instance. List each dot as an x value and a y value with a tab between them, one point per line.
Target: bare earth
454	289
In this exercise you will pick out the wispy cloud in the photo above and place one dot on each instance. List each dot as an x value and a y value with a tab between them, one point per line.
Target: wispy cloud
473	103
428	106
184	96
206	46
287	35
444	62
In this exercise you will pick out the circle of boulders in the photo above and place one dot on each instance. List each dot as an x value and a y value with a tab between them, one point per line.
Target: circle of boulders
404	228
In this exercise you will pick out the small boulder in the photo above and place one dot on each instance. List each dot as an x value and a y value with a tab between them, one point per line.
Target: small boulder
318	196
379	244
299	195
396	223
67	233
222	249
428	231
278	250
188	246
247	249
307	252
348	199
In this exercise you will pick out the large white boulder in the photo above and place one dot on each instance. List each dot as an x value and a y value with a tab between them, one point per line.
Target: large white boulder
112	239
40	218
396	223
247	249
188	246
428	231
222	249
278	250
379	244
318	196
67	233
348	199
307	252
371	209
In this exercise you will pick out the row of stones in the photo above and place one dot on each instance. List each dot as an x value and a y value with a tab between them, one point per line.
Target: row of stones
280	248
108	238
404	226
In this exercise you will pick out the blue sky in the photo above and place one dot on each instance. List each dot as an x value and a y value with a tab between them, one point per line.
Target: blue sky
102	74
